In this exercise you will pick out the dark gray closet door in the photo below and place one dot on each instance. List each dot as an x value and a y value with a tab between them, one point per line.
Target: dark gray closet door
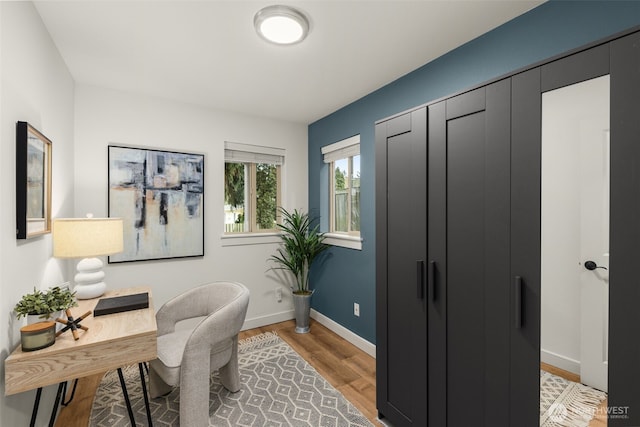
624	288
401	179
526	131
470	140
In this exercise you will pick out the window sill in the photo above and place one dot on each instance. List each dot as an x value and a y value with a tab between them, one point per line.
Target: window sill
241	239
343	240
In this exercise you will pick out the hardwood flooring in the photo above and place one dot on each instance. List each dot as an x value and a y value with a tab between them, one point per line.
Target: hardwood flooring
600	419
346	367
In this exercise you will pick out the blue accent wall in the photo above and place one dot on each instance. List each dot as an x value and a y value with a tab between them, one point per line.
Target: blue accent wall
347	275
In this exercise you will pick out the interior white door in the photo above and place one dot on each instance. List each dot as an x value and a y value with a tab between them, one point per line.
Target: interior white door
575	229
595	247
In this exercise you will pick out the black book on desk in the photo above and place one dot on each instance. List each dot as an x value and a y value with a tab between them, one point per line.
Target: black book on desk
122	303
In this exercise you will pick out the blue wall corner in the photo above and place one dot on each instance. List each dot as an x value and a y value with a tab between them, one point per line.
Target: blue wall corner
347	276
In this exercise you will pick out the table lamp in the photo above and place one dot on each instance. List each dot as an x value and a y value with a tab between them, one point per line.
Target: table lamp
87	238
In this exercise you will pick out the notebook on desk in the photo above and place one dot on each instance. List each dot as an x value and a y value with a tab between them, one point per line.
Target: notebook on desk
121	303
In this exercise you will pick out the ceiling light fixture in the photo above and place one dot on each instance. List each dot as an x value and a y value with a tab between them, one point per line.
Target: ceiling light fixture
281	24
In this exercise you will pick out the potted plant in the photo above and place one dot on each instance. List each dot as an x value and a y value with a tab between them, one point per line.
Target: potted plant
42	304
301	245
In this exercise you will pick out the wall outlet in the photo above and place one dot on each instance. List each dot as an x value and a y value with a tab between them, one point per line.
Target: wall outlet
356	309
279	294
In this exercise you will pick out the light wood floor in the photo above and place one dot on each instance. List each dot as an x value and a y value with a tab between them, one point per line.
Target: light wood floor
600	419
347	368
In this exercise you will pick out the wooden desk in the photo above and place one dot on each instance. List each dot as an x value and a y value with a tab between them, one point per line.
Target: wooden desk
112	341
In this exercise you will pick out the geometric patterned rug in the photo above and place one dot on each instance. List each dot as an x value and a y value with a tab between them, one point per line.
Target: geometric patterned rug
564	403
279	388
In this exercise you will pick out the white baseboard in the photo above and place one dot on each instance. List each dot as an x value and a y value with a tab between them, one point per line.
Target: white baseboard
256	322
345	333
361	343
560	361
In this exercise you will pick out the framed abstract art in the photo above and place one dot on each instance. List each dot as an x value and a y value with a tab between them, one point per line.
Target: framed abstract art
33	182
160	197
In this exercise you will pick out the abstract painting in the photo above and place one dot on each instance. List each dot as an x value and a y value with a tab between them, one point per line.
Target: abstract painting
160	197
33	182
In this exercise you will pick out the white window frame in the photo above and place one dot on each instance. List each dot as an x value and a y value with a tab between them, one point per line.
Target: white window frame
344	149
251	155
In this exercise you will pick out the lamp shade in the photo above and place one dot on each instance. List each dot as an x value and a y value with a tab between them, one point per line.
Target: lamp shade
87	237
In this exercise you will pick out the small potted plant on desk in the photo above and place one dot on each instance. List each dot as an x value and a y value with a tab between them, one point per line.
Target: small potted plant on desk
43	305
301	245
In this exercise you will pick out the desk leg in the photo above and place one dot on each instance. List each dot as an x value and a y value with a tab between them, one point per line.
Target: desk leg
146	397
54	412
73	393
34	413
126	397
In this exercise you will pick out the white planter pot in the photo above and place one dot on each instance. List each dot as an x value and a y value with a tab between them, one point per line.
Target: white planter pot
35	318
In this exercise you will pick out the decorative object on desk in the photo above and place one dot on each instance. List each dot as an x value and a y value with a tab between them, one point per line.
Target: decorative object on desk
121	303
33	182
44	303
301	396
72	324
301	245
160	196
87	238
37	335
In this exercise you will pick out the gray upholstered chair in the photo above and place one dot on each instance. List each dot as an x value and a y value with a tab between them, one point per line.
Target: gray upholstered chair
186	358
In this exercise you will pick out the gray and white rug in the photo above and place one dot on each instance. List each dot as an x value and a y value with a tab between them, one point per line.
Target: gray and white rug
564	403
279	388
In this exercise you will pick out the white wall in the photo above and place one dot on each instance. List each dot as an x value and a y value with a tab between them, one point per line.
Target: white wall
106	117
35	87
81	121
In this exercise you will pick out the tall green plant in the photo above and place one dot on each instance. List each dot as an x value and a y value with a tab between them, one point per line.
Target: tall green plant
301	245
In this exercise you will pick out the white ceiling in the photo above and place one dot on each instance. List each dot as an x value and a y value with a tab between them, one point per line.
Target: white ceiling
207	52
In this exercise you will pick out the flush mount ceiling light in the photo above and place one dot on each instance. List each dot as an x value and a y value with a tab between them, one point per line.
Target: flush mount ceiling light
281	24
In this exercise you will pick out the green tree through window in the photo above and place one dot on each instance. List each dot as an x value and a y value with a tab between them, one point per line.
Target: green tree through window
266	195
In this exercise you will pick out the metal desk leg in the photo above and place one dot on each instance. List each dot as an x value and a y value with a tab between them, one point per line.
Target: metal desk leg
146	397
126	397
54	411
73	393
34	413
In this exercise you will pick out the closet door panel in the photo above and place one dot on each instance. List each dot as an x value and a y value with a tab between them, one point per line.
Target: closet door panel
624	291
576	68
497	253
437	256
478	228
526	131
466	269
403	399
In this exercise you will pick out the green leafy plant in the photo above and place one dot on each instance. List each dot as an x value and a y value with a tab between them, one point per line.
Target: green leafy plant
301	245
45	303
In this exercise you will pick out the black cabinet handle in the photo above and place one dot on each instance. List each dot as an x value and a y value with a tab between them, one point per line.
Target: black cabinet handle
517	284
432	280
420	278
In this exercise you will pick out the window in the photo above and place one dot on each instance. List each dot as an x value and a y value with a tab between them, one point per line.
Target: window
343	159
252	176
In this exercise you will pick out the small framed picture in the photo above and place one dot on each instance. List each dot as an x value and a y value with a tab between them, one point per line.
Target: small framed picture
33	182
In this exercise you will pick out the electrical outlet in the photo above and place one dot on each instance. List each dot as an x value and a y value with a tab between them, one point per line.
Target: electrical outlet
279	294
356	309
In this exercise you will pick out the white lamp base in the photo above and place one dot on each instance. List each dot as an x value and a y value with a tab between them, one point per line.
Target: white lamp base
89	280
